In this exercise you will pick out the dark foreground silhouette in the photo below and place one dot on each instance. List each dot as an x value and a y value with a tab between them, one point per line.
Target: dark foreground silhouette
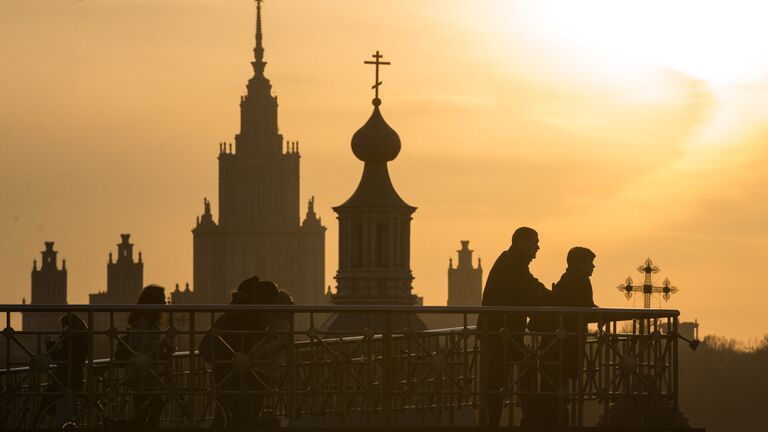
510	283
724	387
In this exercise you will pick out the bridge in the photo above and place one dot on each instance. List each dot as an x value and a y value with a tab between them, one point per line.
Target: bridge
291	372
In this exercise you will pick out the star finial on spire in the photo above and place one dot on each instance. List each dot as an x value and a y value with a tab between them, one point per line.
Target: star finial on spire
377	61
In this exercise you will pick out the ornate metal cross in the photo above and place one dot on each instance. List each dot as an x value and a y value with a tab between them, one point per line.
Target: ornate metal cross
647	288
378	63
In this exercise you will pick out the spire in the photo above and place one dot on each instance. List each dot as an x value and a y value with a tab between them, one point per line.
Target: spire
206	207
311	208
206	221
312	220
258	50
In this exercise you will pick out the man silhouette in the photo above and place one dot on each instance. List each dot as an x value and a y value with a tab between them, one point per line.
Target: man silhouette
509	283
561	357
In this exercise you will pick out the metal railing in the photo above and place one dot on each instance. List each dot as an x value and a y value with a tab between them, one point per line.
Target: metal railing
278	365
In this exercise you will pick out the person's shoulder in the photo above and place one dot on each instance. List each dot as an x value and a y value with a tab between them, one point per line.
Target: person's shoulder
500	260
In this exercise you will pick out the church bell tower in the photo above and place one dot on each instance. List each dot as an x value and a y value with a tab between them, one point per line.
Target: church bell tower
374	229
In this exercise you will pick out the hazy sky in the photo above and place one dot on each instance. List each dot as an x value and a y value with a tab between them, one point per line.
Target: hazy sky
634	128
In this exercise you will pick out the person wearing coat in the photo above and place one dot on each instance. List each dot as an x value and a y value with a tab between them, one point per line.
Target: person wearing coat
237	334
561	359
509	283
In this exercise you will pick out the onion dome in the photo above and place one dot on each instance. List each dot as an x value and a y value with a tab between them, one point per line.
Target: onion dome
376	141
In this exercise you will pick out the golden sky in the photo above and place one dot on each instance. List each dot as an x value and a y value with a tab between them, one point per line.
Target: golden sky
635	128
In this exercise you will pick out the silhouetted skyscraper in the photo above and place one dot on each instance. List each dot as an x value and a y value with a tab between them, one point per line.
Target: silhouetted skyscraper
465	283
259	231
49	286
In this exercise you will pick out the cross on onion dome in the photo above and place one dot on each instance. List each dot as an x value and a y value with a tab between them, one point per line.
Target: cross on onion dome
647	288
377	61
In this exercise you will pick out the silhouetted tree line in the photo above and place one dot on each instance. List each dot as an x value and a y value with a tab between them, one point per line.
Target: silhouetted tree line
724	385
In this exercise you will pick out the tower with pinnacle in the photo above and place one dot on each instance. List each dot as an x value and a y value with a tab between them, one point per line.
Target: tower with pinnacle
374	228
125	276
49	287
465	282
258	231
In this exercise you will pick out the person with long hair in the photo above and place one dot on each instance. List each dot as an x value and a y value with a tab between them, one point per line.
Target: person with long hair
68	353
145	339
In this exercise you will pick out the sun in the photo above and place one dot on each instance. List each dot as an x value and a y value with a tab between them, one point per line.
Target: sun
721	42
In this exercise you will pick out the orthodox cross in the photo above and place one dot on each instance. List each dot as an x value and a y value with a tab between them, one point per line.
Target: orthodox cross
647	288
377	61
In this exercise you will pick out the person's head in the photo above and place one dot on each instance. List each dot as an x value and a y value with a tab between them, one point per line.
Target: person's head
244	290
152	294
525	241
265	292
581	260
284	298
72	321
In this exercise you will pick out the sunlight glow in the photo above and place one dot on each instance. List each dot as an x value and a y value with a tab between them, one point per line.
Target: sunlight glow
721	42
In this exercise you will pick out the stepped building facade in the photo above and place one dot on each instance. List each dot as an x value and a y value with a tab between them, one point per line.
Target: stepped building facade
465	282
49	287
259	231
125	276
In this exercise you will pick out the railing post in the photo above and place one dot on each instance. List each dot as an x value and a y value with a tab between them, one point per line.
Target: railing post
581	346
7	350
675	367
91	388
291	369
387	371
192	380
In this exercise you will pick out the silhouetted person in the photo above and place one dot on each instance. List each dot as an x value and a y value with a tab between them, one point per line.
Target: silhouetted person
574	289
509	283
274	349
272	353
68	353
146	340
240	331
